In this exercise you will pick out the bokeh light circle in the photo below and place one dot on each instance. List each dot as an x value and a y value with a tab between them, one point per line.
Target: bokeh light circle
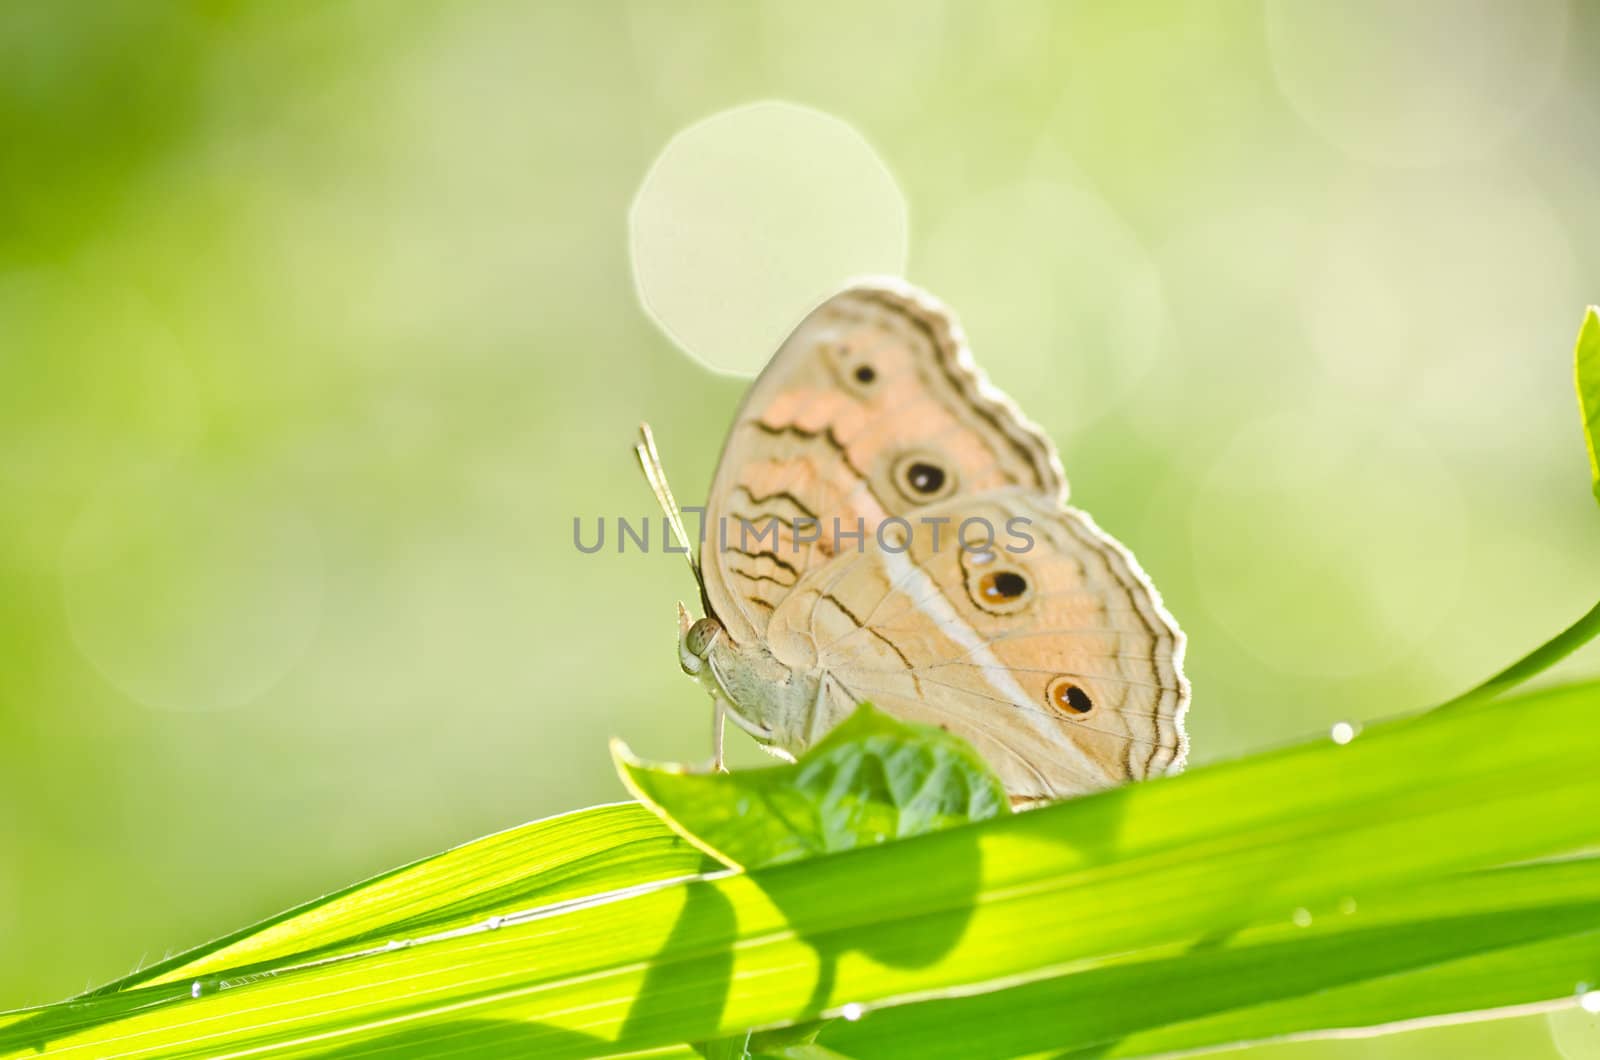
1055	293
749	218
1576	1032
189	591
1328	546
1416	84
1384	307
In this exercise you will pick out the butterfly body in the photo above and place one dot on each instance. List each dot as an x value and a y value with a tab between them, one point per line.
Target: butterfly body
780	703
884	526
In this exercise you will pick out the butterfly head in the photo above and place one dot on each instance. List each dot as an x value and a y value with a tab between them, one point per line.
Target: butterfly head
695	641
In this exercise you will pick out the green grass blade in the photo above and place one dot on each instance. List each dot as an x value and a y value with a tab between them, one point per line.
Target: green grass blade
1586	358
572	855
1096	882
1588	372
1542	974
1536	661
1411	948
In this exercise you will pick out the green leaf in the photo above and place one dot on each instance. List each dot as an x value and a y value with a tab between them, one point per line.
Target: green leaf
780	1038
1161	879
804	1051
871	779
1587	357
733	1047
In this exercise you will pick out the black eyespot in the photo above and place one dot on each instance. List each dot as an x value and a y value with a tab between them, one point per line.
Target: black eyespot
865	374
1002	585
925	478
1064	695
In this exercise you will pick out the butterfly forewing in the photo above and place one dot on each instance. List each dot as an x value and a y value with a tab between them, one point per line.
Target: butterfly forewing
871	408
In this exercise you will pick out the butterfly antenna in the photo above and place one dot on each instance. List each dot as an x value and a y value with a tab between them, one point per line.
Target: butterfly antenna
656	475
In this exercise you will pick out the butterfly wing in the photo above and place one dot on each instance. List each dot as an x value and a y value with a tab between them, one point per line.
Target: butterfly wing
1048	650
871	408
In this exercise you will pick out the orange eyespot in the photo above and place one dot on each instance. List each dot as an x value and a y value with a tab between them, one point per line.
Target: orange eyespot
997	587
1002	586
1066	696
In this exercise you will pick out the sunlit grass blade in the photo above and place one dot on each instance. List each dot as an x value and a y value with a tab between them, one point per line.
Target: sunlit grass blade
1405	955
573	855
1586	359
1136	873
1484	985
1588	372
1536	661
570	856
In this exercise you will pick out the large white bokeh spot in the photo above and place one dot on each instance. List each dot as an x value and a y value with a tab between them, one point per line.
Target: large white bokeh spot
749	218
1057	295
1447	302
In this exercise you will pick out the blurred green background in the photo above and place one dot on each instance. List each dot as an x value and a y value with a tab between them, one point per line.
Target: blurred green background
319	324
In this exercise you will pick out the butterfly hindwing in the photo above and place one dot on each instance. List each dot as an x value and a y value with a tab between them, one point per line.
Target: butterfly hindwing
1040	641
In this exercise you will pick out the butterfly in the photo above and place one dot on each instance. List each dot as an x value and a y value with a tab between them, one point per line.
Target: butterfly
885	526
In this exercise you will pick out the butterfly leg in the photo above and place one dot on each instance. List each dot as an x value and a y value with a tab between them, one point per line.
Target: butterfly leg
719	723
